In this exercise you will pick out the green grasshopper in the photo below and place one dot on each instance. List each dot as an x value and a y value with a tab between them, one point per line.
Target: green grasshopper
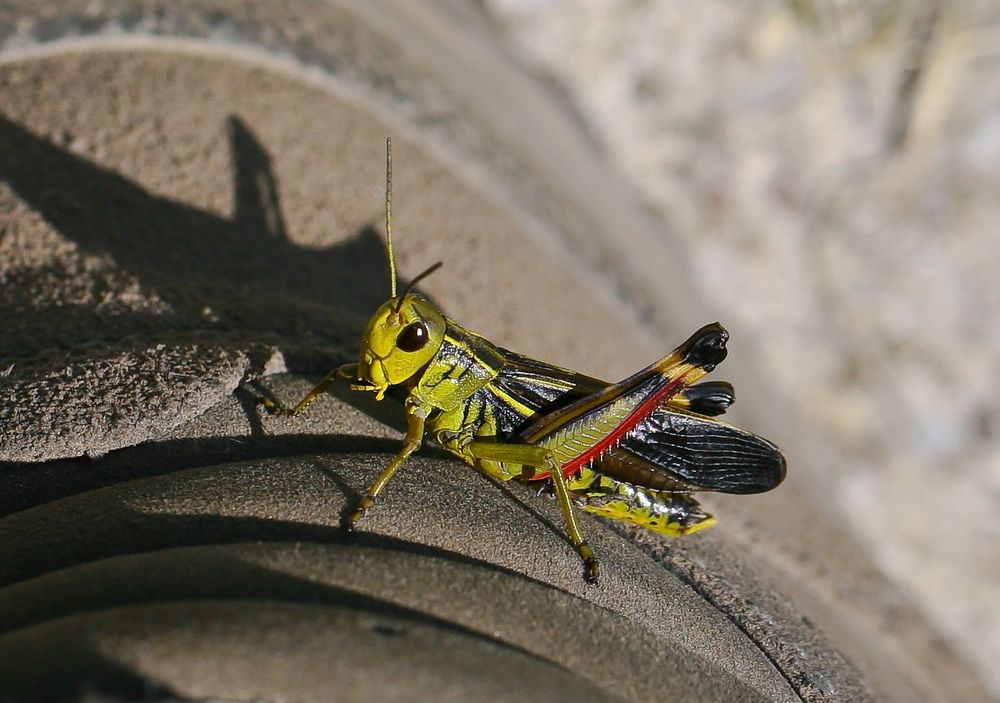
635	450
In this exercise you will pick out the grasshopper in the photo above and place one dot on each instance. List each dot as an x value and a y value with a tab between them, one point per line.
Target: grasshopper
635	450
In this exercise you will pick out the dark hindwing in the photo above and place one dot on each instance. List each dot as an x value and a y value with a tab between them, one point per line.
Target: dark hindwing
674	449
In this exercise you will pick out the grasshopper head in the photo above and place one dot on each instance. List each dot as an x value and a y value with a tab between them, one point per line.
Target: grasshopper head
401	338
406	332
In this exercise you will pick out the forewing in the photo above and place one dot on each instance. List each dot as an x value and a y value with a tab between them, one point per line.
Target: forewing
540	386
579	433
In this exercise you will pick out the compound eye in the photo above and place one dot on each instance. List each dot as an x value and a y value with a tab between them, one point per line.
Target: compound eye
413	337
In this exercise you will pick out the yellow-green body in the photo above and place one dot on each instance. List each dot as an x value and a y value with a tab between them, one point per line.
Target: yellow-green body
460	383
632	451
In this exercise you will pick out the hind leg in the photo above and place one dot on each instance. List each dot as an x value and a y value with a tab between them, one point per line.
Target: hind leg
542	459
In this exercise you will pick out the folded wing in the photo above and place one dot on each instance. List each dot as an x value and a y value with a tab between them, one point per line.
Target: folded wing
674	449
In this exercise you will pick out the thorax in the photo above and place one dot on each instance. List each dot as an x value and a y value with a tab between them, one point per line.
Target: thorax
464	363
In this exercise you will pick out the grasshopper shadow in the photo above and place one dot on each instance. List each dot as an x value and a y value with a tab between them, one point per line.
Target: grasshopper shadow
239	277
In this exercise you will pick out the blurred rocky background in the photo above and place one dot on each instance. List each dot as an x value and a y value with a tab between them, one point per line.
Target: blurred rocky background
833	168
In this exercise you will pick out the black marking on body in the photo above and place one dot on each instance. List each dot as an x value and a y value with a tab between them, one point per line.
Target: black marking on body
466	419
459	359
535	385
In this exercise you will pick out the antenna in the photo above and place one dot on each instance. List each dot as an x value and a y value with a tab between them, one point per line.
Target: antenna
424	274
388	216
